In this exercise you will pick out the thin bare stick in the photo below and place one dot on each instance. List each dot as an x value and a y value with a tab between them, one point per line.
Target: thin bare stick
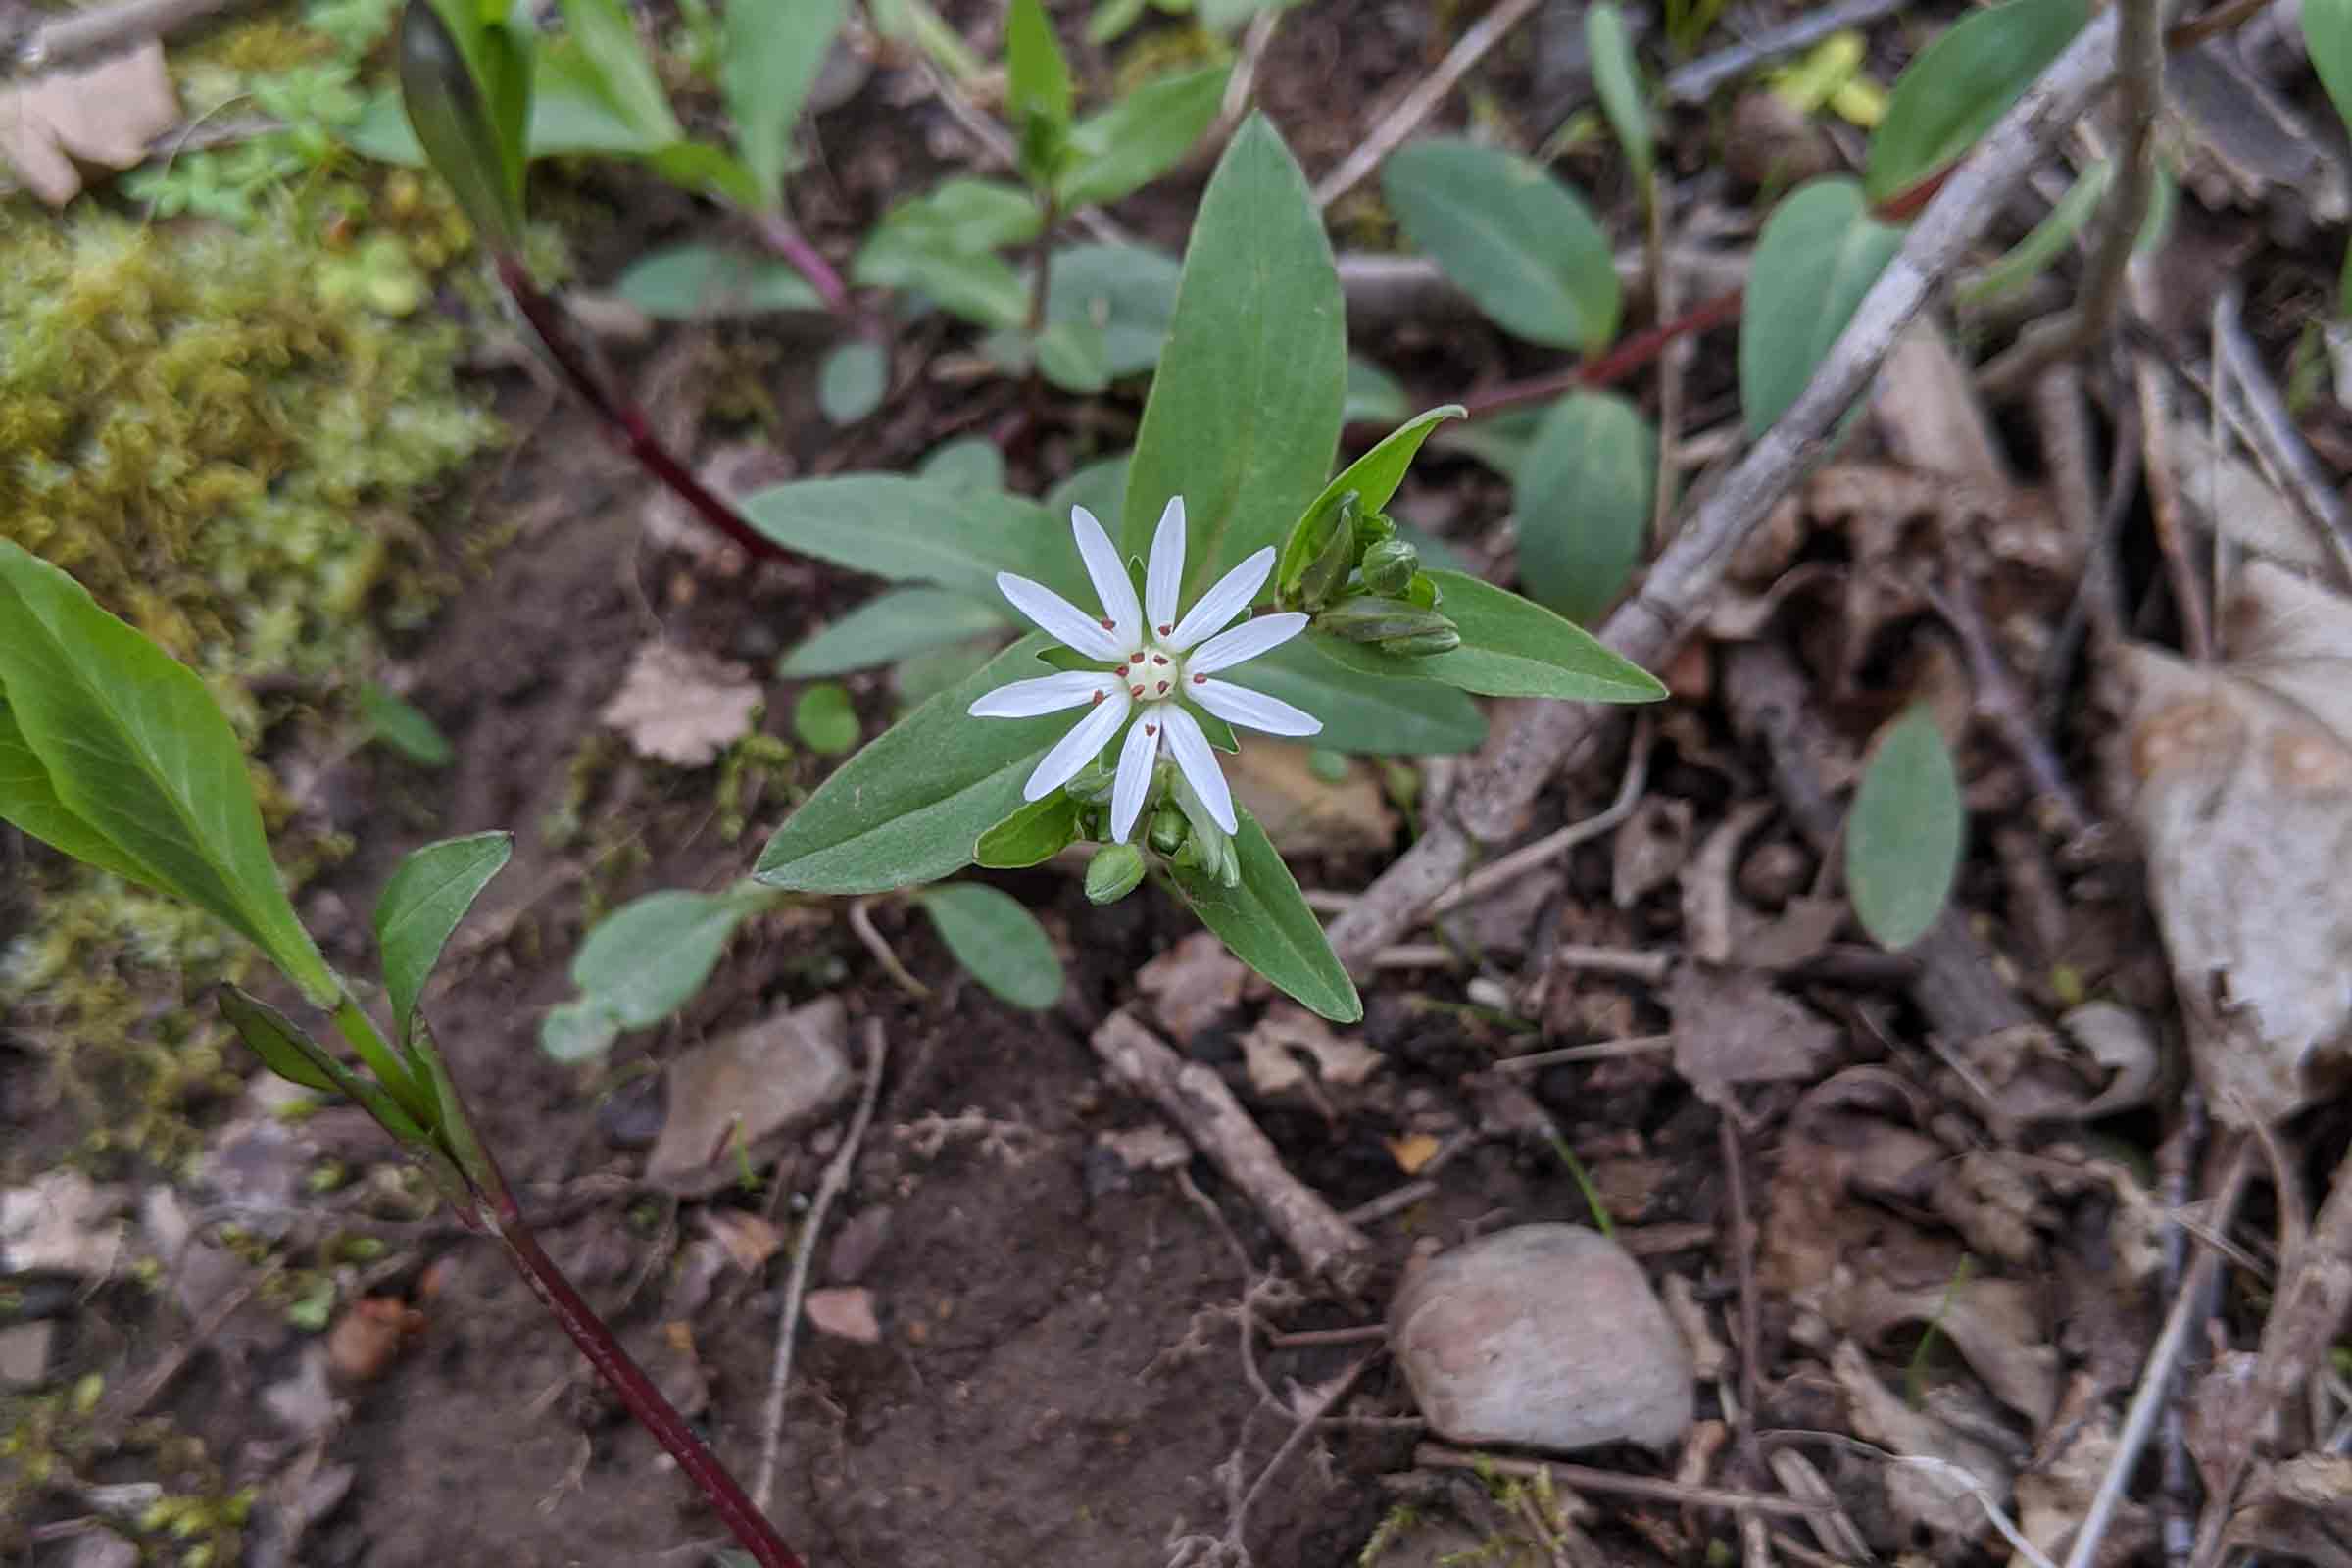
2139	74
1495	792
1417	105
2164	507
828	1188
1635	963
1550	847
861	921
1696	82
997	145
1603	1051
1308	1420
1390	1202
1304	1339
2271	430
1244	81
2002	704
2156	1378
1584	1477
2224	18
100	29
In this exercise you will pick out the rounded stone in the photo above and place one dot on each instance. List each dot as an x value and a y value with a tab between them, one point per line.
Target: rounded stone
1546	1334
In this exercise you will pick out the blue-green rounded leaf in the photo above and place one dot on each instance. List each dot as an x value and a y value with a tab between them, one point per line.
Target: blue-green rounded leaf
708	283
892	626
825	721
1903	838
851	382
998	941
1583	497
1521	244
1956	87
1820	252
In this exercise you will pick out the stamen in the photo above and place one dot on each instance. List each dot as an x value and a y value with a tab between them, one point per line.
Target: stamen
1163	688
1137	690
1121	672
1165	630
1110	625
1150	729
1197	680
1097	697
1159	659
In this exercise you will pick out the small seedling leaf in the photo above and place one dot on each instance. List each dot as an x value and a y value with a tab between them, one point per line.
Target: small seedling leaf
996	939
1903	839
1820	252
1582	494
1522	245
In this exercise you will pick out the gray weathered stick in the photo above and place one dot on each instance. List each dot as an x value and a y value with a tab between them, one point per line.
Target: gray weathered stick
1530	749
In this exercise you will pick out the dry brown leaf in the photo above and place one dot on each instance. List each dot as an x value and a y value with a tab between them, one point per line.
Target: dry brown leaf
1939	1498
680	707
1926	411
2298	1509
1734	1026
1650	850
750	1240
1193	984
2053	1498
1993	1321
847	1313
1304	815
62	1223
1272	1049
2106	1061
1413	1151
105	113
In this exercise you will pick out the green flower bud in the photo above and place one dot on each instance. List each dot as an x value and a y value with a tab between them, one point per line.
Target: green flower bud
1390	565
1371	619
1115	872
1374	529
1329	568
1167	832
1422	592
1422	644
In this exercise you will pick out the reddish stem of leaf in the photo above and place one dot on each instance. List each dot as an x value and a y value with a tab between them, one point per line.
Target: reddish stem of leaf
643	1401
776	232
1611	367
626	422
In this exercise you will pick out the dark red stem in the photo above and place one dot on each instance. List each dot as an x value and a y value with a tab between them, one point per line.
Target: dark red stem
628	423
747	1524
776	232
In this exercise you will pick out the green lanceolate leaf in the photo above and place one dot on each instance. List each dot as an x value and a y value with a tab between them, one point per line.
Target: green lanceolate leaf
941	245
1373	477
1903	838
1125	147
1521	244
968	462
1266	922
403	726
910	808
772	52
1820	252
298	1058
1513	647
1956	87
910	531
1101	487
1032	835
891	626
1583	494
2041	249
28	801
136	749
427	894
1037	74
1244	410
607	40
466	83
2328	38
647	960
706	283
1379	710
1125	293
1617	78
998	941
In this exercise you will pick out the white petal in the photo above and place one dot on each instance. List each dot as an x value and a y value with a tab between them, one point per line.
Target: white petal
1109	574
1058	618
1200	764
1239	705
1165	573
1246	641
1134	782
1228	599
1081	746
1046	694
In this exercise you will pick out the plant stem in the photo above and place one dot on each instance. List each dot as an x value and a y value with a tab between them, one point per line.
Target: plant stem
1041	255
1613	367
627	422
779	235
355	1026
637	1391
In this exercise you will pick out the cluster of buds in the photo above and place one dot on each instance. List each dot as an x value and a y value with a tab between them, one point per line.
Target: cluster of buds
1347	568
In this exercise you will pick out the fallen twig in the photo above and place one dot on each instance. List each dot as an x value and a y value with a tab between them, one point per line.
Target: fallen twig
2271	430
1495	793
1552	846
861	924
2164	508
2002	704
47	43
1584	1477
1696	82
1417	105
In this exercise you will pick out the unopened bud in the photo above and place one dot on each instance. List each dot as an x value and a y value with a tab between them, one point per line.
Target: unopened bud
1388	568
1329	569
1371	619
1374	529
1168	830
1422	644
1422	592
1115	872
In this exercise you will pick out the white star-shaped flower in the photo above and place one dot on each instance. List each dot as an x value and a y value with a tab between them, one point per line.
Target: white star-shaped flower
1154	662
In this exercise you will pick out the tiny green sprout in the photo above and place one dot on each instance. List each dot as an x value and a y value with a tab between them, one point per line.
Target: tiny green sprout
1115	871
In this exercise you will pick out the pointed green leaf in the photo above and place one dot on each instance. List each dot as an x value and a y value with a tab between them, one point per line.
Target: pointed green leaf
1582	496
607	40
700	166
1244	410
910	808
1101	487
571	112
914	530
1374	396
465	85
1820	252
403	726
998	941
1387	714
1955	88
771	57
427	894
1521	244
1374	478
1617	78
1123	148
1513	648
134	746
30	803
1032	835
1903	838
2041	249
1266	922
1037	74
280	1042
708	283
891	626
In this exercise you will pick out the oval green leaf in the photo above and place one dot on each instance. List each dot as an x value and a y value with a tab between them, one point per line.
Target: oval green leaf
1955	88
403	726
708	283
1125	147
1582	496
851	383
891	626
1385	712
1001	943
644	962
427	894
1521	244
1124	294
770	57
1032	835
1266	922
1820	252
825	721
1903	838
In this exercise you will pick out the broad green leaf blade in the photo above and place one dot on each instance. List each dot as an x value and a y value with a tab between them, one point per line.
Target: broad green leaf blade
910	808
1820	252
941	245
607	40
1583	497
1522	245
890	626
772	52
910	531
280	1042
2034	255
427	894
1126	293
1032	835
1037	74
1903	838
698	165
1245	411
1955	88
969	462
1266	922
1125	147
646	958
1379	715
2328	38
465	87
1617	78
134	746
572	112
1513	648
851	382
998	941
577	1030
403	726
30	803
706	283
1374	478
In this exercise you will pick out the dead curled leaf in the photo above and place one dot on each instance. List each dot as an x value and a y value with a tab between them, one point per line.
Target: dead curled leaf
680	707
1272	1051
2298	1510
1193	984
1948	1492
1734	1026
104	113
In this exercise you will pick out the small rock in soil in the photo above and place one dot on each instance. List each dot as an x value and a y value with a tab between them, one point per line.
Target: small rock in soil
1546	1334
24	1353
740	1090
61	1224
846	1313
101	1549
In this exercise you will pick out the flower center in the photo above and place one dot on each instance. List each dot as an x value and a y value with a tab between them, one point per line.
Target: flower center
1151	673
